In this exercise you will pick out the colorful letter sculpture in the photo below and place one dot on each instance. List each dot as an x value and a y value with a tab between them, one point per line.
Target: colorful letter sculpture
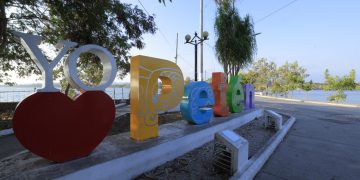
219	86
235	95
58	128
52	125
196	106
249	101
145	102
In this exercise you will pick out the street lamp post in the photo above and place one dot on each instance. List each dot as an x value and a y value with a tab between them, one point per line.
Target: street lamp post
195	41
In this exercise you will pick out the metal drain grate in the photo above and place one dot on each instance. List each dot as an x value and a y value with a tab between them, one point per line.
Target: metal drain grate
230	152
222	157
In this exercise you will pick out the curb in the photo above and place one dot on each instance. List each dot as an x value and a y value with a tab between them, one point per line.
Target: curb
311	102
260	158
6	132
120	105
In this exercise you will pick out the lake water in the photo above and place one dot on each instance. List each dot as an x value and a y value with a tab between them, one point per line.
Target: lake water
353	97
17	94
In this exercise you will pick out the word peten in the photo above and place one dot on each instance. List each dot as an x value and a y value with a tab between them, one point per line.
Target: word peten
198	100
52	125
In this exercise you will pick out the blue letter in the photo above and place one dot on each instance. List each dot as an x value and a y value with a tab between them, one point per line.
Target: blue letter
196	106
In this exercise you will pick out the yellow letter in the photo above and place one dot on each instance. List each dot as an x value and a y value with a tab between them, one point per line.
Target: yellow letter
145	102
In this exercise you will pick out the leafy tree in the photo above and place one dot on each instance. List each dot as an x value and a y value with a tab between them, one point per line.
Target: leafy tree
266	75
111	24
235	43
263	73
247	78
114	25
307	87
18	15
187	80
338	84
163	1
292	76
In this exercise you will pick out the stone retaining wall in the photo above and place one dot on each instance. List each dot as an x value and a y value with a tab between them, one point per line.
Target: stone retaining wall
7	106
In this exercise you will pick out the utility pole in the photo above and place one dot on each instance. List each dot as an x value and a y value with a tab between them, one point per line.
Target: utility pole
177	41
201	44
196	71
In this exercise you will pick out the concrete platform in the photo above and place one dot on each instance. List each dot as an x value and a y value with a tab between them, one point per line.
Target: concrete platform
119	157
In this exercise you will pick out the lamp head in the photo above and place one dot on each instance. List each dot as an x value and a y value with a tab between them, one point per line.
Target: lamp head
187	38
205	35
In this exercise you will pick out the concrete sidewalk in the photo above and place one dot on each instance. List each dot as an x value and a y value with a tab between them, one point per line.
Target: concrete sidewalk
324	143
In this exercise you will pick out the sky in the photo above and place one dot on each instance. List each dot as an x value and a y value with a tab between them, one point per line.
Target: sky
318	34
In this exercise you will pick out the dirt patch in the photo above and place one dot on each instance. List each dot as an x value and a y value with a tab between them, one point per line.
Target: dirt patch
5	124
6	119
256	133
122	124
198	164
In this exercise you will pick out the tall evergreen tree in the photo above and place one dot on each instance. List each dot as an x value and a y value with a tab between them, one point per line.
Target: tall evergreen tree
235	43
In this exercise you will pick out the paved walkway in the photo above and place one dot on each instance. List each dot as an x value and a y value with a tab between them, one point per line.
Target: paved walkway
324	143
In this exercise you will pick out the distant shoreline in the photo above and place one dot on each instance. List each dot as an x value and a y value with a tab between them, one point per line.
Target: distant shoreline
311	102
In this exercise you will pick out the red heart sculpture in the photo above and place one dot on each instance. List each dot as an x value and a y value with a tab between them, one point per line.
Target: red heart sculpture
53	126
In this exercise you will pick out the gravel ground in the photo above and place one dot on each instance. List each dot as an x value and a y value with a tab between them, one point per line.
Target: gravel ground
198	164
5	124
256	133
122	123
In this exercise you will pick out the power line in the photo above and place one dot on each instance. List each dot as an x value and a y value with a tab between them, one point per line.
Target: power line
276	11
207	5
186	61
162	34
213	49
210	46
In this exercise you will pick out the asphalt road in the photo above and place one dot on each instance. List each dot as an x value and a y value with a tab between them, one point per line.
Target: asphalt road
324	143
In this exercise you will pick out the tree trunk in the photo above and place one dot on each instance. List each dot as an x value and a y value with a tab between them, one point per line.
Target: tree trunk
225	67
67	89
3	24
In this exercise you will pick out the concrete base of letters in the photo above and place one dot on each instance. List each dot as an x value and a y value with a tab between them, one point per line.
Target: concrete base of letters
119	157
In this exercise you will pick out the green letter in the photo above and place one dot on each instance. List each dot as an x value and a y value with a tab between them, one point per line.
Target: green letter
235	95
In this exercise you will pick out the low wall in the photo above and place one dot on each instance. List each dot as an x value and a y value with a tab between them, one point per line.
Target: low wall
10	106
7	106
